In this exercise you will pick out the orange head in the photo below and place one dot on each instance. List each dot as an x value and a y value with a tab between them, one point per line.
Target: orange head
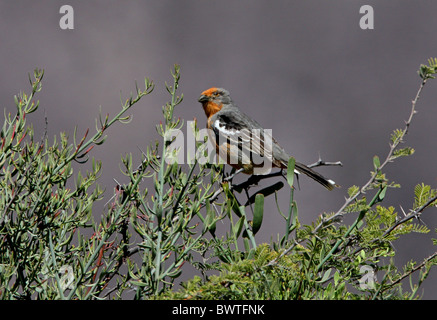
213	99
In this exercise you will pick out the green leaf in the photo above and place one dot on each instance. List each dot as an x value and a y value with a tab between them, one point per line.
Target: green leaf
427	72
290	171
246	244
326	275
422	194
376	163
336	278
352	191
258	213
382	193
210	223
294	217
233	201
404	152
236	229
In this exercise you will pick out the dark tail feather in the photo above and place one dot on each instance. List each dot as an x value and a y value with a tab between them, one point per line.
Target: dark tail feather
327	183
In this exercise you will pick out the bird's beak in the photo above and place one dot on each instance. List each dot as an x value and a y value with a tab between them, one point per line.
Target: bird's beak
203	98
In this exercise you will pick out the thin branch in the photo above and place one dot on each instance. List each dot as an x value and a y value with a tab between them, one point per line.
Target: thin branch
366	186
388	159
414	214
420	266
253	180
320	162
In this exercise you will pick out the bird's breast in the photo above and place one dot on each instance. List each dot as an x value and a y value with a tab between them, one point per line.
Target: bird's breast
211	108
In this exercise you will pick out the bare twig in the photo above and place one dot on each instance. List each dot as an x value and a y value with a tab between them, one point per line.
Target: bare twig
320	162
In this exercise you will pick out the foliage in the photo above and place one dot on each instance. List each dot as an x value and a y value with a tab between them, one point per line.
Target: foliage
165	216
44	215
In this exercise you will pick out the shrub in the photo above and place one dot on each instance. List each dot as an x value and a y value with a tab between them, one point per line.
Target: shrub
51	247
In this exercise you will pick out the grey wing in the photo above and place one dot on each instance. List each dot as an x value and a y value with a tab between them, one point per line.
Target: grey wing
253	143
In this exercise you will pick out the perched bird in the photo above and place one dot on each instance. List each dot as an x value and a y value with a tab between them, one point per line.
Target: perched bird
239	139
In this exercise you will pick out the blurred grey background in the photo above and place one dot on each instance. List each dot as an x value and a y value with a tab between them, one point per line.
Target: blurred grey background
303	68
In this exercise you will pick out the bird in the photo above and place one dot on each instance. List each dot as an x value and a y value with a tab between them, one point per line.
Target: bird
239	139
